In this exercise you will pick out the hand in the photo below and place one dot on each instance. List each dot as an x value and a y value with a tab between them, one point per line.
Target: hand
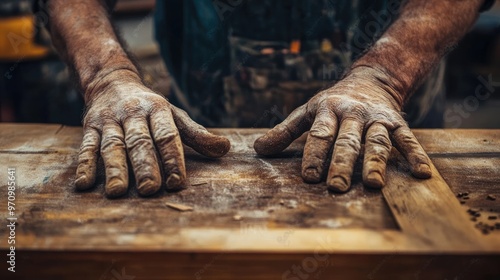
362	106
126	119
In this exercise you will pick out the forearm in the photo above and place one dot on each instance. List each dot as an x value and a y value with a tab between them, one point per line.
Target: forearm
417	40
84	37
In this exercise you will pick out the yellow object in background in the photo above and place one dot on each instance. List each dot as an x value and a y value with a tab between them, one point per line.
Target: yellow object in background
17	39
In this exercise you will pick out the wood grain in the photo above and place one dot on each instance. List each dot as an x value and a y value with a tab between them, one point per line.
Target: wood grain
282	218
428	209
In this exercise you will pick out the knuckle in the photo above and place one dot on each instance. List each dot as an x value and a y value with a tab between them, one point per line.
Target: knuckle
418	157
172	162
87	150
91	119
377	156
408	141
164	136
82	169
128	113
304	110
131	102
156	97
171	165
180	112
85	160
322	131
112	141
352	108
135	140
379	138
349	140
89	143
314	161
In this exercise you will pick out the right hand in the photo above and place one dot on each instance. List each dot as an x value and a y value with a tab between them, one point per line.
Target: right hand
362	107
126	119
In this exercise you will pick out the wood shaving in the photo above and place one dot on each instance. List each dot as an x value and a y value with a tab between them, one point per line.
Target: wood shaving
237	217
179	207
199	184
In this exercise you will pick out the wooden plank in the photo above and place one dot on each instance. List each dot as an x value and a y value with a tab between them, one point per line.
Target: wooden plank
284	221
428	209
462	142
267	193
471	164
469	161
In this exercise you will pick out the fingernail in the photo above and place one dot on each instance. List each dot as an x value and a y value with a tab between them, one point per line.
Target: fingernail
222	147
174	182
424	168
115	188
423	171
374	180
81	182
311	175
338	184
148	187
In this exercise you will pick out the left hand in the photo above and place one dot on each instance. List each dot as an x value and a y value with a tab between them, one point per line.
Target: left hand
362	106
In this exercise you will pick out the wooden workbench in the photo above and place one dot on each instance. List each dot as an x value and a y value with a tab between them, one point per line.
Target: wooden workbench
253	217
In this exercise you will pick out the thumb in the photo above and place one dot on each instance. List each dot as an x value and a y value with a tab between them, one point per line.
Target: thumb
198	137
282	135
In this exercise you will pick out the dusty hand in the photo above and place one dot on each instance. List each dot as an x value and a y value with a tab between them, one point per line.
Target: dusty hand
126	119
360	107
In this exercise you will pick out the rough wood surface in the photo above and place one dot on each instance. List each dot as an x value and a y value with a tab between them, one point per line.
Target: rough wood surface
265	192
469	161
279	213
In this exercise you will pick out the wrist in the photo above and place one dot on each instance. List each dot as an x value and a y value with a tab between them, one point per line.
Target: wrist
377	77
106	79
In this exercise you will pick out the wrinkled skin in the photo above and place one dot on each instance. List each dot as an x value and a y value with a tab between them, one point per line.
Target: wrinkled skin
125	123
357	109
129	120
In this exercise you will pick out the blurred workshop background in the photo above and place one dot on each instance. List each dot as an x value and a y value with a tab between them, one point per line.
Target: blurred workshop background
36	87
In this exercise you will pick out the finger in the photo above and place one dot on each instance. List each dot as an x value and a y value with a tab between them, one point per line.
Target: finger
409	146
377	150
115	160
169	145
318	145
142	155
87	159
345	153
282	135
198	137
